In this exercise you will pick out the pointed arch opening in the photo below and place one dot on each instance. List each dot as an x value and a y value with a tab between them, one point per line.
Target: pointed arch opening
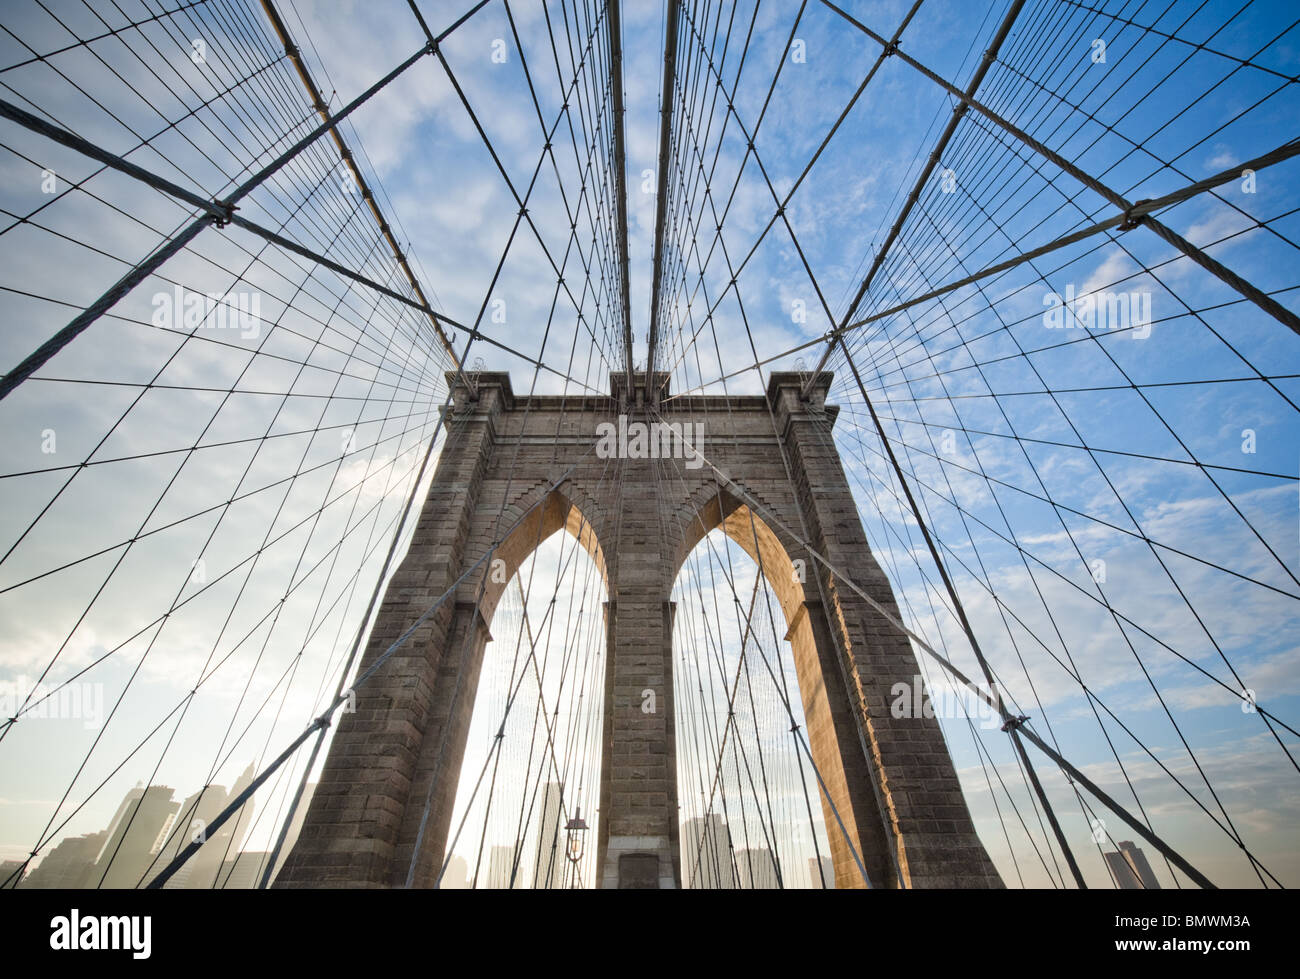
532	756
760	781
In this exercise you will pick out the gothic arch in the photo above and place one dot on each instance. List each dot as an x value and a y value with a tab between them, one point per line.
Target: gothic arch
548	512
769	549
820	691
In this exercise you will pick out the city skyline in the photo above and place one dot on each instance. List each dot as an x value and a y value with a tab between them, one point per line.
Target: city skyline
146	833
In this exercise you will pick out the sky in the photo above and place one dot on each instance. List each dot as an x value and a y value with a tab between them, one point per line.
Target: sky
1169	453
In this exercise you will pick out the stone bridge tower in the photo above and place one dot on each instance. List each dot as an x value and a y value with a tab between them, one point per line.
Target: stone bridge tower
774	483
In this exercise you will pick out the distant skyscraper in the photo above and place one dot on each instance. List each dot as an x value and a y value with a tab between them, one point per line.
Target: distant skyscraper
243	871
550	844
706	854
827	872
457	876
134	837
1125	879
756	870
1131	869
69	864
8	869
1138	861
500	864
193	819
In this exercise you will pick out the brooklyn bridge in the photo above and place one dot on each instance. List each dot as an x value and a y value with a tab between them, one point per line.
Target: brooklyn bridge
664	444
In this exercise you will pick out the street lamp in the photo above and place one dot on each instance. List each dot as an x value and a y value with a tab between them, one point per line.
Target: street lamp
574	829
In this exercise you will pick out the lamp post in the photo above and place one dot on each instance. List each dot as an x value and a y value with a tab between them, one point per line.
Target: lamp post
574	829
